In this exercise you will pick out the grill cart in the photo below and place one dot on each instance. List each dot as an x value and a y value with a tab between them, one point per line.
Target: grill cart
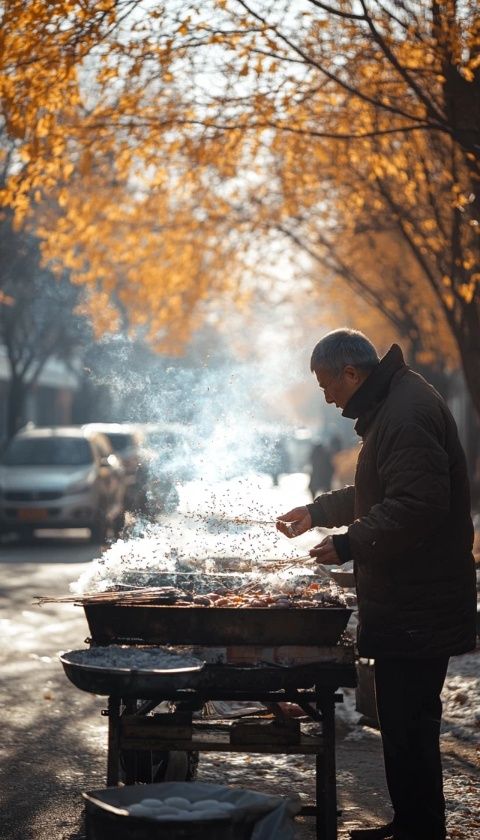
262	656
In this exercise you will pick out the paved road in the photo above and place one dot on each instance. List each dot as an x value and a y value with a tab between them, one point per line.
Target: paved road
53	738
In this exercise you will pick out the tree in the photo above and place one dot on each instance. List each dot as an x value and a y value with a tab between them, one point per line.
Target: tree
38	321
113	201
358	124
374	107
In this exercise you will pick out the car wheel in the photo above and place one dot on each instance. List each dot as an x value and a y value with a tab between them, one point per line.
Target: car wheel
99	530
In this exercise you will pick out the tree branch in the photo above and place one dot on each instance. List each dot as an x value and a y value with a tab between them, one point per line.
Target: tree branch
350	277
334	78
401	70
327	8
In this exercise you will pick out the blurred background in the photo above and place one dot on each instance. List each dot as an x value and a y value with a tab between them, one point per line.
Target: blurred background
192	197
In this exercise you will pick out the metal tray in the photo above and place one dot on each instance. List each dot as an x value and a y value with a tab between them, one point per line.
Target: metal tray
159	625
212	680
127	682
107	819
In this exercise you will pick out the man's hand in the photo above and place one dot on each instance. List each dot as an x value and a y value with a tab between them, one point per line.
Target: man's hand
325	552
295	522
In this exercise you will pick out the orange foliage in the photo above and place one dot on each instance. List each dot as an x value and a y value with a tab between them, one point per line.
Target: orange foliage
149	144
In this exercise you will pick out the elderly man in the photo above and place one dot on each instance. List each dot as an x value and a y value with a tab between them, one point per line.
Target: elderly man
410	536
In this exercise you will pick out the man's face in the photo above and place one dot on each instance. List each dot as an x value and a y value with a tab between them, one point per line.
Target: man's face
338	388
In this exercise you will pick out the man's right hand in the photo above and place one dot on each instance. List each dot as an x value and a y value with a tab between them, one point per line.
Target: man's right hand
295	522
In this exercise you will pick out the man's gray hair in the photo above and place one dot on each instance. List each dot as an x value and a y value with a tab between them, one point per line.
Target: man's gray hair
343	347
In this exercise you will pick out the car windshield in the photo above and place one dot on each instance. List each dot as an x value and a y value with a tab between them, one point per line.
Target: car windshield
47	452
120	441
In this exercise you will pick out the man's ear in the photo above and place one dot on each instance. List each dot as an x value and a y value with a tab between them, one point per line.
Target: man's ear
352	374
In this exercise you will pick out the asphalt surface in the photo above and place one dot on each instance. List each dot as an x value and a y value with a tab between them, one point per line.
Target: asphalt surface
53	737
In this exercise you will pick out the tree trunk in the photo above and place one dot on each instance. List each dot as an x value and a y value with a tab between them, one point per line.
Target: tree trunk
472	452
468	341
467	336
16	395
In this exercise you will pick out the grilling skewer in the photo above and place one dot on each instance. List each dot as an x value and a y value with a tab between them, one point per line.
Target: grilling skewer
145	594
111	595
229	520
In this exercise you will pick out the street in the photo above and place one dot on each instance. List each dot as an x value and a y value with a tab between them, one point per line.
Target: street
53	739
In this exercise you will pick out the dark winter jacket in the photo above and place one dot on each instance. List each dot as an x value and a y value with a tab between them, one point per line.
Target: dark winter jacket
410	531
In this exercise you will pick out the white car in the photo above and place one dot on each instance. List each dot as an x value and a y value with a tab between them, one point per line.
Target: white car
61	477
127	441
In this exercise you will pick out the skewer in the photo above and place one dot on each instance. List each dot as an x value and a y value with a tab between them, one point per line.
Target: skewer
287	560
144	594
230	520
105	597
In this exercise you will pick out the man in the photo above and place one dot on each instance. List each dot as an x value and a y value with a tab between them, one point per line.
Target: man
410	536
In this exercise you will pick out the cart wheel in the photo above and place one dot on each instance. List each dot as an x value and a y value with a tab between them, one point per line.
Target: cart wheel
174	766
193	759
136	767
146	766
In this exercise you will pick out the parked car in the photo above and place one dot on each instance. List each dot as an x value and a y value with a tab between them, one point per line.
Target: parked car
128	443
61	477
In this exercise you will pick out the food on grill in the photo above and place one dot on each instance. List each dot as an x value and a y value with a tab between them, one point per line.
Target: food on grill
252	594
258	597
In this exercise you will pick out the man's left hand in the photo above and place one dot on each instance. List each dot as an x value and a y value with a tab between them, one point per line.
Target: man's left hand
325	552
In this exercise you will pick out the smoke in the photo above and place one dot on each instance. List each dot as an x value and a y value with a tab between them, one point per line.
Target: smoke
212	415
218	437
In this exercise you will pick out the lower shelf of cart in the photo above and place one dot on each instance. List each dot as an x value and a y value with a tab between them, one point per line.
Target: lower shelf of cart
212	742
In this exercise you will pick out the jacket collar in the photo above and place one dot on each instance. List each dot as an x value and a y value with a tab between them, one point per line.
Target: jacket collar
375	388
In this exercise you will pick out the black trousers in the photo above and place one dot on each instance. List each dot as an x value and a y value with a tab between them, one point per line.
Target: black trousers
409	711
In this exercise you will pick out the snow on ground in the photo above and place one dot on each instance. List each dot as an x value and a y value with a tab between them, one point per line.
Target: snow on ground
461	698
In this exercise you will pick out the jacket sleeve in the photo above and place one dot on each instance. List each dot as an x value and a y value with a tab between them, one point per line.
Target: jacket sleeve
333	509
413	469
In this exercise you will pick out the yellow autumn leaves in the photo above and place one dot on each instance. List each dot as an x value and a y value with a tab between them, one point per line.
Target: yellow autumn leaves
151	144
